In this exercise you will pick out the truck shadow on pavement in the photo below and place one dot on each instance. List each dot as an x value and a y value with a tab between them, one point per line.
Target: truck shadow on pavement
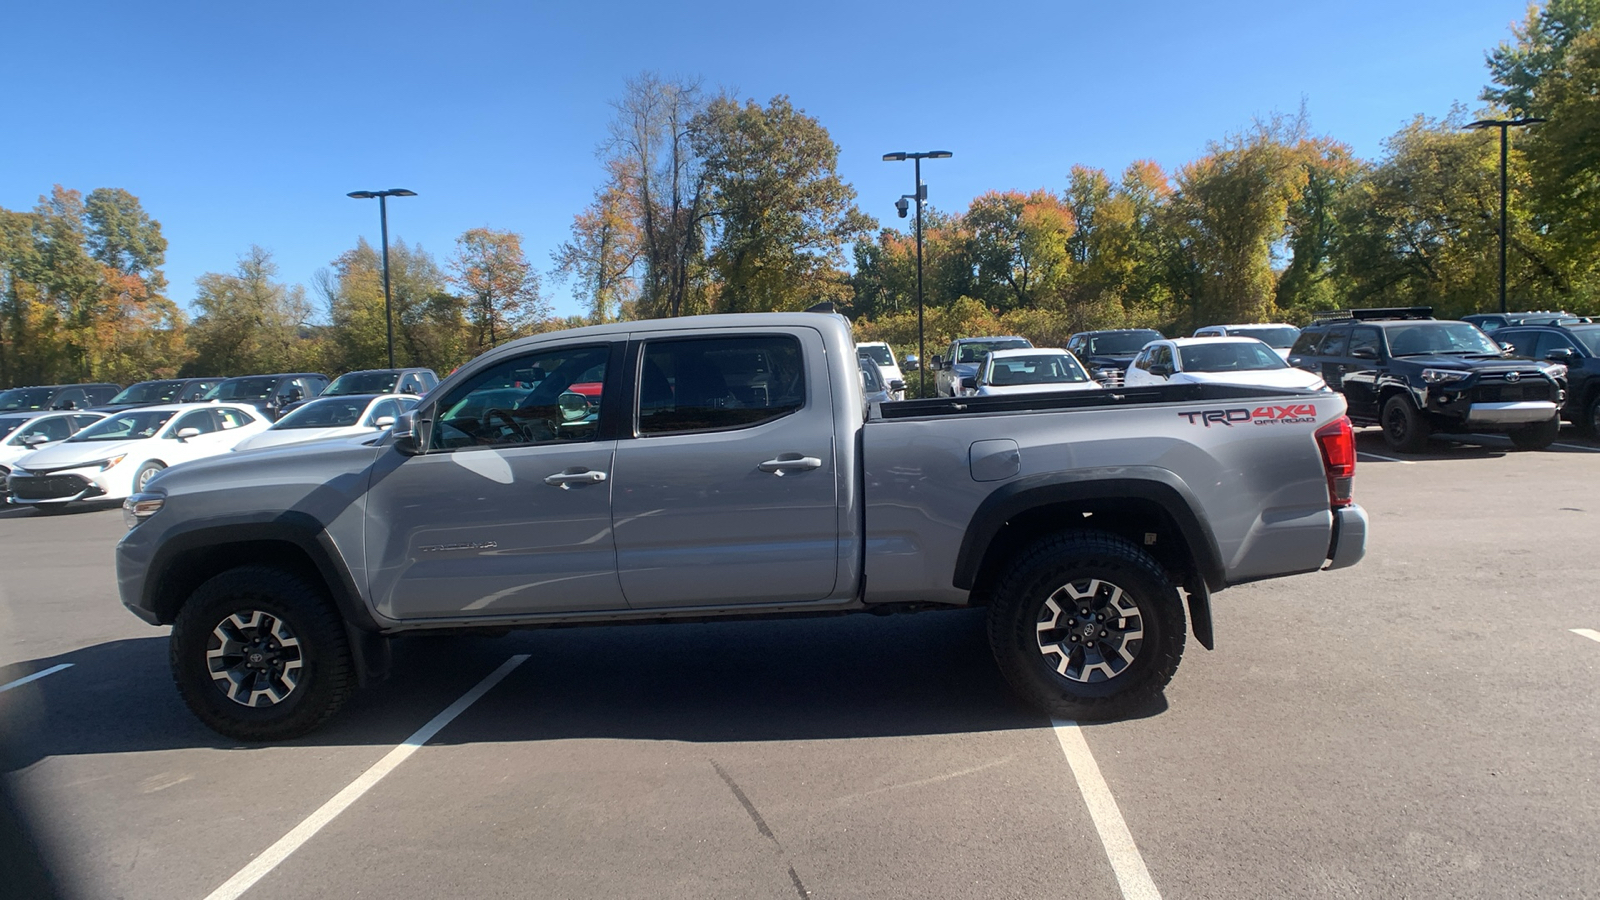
811	679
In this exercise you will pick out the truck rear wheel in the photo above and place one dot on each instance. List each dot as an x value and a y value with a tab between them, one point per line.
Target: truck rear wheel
1086	626
260	655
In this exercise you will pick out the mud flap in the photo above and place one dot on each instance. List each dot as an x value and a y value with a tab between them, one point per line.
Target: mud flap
1200	610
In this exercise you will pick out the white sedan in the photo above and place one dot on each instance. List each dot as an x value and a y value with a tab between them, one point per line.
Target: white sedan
1030	370
121	453
23	433
330	417
1217	360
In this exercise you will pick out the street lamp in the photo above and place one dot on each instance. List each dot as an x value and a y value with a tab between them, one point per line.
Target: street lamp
383	219
1504	125
921	196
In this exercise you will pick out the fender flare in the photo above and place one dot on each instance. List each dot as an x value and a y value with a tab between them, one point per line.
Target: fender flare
1157	486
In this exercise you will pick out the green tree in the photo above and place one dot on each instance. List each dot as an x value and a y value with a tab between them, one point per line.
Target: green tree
249	322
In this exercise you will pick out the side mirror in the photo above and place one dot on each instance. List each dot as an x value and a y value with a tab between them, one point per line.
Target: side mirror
1364	353
1506	347
896	385
34	440
408	388
185	433
1560	354
1161	370
911	363
411	432
384	421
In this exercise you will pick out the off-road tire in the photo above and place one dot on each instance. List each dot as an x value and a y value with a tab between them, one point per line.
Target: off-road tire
1589	417
1405	428
1536	437
1050	566
325	676
139	477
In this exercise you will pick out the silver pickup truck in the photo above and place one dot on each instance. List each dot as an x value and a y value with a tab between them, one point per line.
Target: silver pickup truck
727	466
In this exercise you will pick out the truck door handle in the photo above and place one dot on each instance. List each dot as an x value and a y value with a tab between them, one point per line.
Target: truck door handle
565	480
788	461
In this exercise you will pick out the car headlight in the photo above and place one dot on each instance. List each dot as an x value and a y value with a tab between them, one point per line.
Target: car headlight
139	507
1444	376
1555	370
106	464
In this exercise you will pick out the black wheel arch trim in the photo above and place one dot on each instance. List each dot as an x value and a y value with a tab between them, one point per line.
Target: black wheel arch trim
298	529
1016	497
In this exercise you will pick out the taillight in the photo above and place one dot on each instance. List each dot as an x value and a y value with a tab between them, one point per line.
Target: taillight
1337	441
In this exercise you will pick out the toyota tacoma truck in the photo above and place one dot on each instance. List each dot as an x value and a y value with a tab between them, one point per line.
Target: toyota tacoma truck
728	466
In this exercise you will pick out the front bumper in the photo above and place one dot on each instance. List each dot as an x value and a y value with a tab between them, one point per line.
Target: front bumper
1517	412
1349	542
55	487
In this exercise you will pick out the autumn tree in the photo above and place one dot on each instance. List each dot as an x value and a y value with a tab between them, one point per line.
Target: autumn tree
600	257
248	321
1020	247
500	286
430	327
780	214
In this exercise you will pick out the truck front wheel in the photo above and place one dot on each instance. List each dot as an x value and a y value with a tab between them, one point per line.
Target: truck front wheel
260	655
1086	626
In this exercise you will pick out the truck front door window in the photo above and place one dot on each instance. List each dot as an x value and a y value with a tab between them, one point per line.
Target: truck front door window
526	400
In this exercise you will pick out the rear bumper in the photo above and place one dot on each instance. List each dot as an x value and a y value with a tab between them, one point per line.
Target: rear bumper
1521	412
1349	542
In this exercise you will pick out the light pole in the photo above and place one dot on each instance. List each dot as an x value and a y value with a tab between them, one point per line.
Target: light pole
383	219
921	196
1504	125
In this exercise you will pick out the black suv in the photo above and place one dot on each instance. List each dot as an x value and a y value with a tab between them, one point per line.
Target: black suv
1578	348
154	393
56	396
269	393
1107	354
1492	321
1414	375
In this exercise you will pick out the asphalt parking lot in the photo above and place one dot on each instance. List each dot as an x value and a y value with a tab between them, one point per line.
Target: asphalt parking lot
1426	724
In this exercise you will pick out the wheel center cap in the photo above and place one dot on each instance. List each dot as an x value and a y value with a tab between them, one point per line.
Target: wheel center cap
256	656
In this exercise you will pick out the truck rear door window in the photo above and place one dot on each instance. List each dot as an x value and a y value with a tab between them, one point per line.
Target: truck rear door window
714	384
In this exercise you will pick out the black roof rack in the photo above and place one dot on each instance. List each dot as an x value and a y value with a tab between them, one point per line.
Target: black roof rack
1381	312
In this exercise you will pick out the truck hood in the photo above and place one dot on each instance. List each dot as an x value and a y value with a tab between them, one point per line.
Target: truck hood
307	464
1106	360
277	437
1474	364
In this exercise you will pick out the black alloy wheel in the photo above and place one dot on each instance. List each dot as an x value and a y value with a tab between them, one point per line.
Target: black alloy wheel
1404	428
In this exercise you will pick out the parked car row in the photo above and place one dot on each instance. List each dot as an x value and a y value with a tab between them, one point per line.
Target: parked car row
1399	369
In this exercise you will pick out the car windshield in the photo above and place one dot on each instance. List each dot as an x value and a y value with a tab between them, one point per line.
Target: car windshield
243	389
878	353
149	392
377	382
25	398
1278	337
333	412
1430	338
9	424
1121	343
977	350
871	378
1588	337
1232	356
129	426
1042	368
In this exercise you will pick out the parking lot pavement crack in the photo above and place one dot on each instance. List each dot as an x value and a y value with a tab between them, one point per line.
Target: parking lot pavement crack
761	826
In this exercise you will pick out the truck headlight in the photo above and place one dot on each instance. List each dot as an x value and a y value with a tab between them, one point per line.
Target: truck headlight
139	507
1555	370
1444	376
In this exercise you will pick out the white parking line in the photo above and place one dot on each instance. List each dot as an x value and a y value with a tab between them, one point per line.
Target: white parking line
34	677
341	801
1589	633
1129	866
1405	462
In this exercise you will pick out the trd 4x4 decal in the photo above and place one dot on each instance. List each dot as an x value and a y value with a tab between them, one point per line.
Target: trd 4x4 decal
1293	414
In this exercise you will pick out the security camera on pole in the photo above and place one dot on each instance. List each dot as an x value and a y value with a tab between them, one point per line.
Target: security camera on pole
901	205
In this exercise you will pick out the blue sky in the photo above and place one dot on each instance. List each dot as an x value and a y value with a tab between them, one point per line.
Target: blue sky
240	124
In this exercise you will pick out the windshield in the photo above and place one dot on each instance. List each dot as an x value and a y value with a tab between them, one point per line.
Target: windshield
1278	337
379	382
149	392
129	426
25	398
1431	338
325	413
871	378
1041	368
243	389
975	351
1588	337
1121	344
878	353
1233	356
